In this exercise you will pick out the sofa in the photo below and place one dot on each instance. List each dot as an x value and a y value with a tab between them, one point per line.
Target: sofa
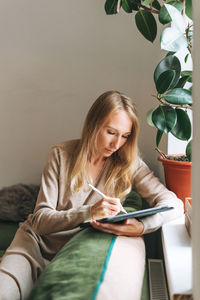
19	200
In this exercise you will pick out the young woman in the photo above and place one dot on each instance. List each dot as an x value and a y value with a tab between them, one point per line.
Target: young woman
107	157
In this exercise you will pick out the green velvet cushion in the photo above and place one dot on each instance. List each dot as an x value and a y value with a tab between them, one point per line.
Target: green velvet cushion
7	232
2	252
76	269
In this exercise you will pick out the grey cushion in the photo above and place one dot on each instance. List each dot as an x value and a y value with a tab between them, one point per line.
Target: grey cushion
17	201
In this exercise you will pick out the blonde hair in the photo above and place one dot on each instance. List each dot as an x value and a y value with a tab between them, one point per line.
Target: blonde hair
122	162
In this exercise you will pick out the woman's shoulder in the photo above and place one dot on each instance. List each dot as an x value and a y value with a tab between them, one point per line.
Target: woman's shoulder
67	145
66	148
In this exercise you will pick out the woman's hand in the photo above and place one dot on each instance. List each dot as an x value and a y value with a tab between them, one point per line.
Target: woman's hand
106	207
131	227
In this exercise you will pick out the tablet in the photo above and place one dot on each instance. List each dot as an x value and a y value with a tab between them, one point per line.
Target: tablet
136	214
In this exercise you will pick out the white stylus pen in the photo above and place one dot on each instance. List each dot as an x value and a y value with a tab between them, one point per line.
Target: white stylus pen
103	195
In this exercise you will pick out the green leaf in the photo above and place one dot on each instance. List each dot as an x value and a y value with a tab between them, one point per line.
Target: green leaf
149	117
182	129
170	53
146	2
156	5
135	4
146	24
170	62
164	81
111	7
127	6
187	73
182	81
188	8
186	58
179	96
164	16
164	118
158	137
189	151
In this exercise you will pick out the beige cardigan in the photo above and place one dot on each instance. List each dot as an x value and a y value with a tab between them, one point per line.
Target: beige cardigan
57	213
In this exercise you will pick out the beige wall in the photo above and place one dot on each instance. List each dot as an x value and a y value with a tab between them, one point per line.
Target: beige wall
56	57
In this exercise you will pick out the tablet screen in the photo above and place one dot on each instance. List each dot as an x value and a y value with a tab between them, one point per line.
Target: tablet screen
136	214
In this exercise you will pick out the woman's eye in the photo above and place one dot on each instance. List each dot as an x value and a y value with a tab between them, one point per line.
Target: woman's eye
125	136
110	132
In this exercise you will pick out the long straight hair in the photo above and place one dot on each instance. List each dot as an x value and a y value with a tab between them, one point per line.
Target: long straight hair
123	162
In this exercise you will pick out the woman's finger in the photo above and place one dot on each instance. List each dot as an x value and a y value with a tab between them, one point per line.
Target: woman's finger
133	228
117	202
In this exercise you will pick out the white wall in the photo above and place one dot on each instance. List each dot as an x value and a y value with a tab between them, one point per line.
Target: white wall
56	57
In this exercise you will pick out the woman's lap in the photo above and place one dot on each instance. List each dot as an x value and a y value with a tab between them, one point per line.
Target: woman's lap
23	263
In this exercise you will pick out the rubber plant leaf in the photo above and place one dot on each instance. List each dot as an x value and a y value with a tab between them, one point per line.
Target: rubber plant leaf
179	96
135	4
188	8
186	58
182	129
149	117
182	81
111	7
170	62
187	73
170	53
164	16
158	137
189	151
146	24
156	4
173	38
147	2
164	81
127	6
164	118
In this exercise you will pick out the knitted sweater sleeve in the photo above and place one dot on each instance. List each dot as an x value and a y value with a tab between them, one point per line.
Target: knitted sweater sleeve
156	194
47	218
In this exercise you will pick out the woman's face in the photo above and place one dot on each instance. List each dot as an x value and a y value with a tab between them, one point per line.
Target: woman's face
114	133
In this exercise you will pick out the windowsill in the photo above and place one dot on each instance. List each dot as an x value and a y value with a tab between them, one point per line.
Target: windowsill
177	251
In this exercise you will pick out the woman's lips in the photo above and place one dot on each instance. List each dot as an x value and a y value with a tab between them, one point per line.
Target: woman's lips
110	151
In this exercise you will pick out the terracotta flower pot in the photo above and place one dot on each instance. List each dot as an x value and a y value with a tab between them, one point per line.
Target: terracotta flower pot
178	177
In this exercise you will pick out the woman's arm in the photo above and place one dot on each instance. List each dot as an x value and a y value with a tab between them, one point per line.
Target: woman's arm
156	194
46	218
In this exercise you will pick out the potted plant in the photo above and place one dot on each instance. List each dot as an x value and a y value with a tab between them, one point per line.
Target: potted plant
173	85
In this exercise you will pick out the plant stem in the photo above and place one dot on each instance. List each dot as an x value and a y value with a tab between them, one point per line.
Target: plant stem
187	32
161	153
118	5
183	7
147	8
160	99
175	105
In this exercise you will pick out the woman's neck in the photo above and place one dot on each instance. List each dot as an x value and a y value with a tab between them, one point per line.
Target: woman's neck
95	166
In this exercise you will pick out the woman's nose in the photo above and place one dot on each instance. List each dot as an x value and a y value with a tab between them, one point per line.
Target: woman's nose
116	143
